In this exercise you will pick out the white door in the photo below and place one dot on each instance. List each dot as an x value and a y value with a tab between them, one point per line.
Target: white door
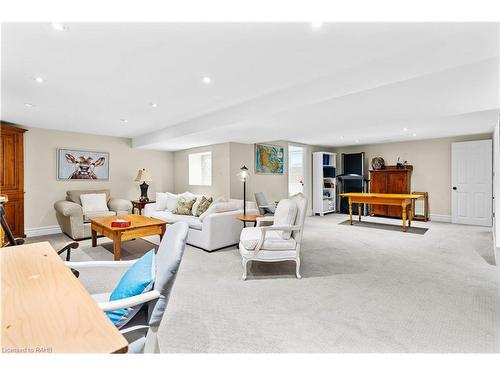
296	169
471	182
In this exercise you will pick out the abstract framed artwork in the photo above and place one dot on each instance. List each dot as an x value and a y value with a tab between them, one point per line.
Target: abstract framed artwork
269	159
82	165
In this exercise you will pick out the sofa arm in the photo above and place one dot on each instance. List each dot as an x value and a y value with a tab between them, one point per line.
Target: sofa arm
120	205
149	208
67	208
220	220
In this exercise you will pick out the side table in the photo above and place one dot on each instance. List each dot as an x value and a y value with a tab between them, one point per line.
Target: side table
139	205
248	219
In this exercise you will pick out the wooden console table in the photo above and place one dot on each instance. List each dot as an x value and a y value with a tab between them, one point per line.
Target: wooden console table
45	309
402	200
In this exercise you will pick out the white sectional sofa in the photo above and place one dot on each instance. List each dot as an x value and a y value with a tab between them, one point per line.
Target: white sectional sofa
216	229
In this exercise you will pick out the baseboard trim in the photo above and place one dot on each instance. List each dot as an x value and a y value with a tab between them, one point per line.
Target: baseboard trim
42	231
441	218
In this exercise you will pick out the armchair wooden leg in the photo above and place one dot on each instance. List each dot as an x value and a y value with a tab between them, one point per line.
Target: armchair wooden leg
297	268
244	264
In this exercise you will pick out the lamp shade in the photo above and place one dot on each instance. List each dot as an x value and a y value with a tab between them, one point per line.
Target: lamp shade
143	175
243	173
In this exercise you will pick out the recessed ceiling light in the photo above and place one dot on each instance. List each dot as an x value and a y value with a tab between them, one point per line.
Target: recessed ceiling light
405	129
341	137
206	80
357	140
154	105
38	79
123	120
414	134
58	26
316	24
29	105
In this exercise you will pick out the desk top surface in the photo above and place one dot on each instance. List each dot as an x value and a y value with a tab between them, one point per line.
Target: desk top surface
382	195
46	309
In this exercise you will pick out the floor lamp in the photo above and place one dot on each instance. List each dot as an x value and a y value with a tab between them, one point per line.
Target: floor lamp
243	177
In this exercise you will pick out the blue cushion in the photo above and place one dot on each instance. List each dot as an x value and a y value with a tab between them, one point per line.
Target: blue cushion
137	280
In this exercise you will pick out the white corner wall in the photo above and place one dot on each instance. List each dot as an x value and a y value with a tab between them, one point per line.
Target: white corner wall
496	190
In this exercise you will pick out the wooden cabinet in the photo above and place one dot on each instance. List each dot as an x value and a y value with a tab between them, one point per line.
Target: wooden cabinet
12	175
390	180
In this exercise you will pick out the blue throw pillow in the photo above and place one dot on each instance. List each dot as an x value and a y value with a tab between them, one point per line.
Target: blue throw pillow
137	280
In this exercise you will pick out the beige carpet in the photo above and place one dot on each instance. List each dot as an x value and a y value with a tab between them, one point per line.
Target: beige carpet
363	290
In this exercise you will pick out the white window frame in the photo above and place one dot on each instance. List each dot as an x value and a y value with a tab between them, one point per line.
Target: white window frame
197	175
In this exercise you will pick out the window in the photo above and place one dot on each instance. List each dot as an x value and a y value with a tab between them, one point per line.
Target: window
295	170
200	168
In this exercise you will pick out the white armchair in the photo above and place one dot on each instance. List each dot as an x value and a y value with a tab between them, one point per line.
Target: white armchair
278	242
142	330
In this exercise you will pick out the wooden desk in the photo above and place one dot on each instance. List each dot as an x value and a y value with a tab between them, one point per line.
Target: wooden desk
402	200
45	309
141	226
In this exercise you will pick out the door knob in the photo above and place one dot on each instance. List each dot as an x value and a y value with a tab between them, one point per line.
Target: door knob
454	188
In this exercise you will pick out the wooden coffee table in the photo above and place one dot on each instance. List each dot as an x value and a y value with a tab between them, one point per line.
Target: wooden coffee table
141	227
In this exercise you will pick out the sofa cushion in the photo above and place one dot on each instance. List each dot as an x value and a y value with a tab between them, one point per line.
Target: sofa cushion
285	214
93	214
202	206
169	217
166	201
250	237
184	207
74	195
94	202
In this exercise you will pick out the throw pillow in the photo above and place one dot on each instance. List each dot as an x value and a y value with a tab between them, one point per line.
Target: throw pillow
137	280
196	203
94	202
188	196
184	207
203	205
161	201
166	201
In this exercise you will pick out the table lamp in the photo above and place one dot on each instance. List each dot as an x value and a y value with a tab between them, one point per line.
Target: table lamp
143	176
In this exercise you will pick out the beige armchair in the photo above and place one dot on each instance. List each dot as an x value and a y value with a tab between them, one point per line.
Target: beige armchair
70	214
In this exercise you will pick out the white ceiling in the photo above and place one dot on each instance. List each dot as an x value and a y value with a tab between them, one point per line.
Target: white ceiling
341	84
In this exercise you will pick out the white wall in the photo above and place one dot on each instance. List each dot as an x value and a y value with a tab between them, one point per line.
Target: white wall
43	189
496	190
431	160
220	171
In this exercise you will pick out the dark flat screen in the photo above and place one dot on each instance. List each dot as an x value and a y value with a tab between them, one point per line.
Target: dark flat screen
353	163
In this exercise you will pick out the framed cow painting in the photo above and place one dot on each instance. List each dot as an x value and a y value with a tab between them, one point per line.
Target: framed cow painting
80	165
